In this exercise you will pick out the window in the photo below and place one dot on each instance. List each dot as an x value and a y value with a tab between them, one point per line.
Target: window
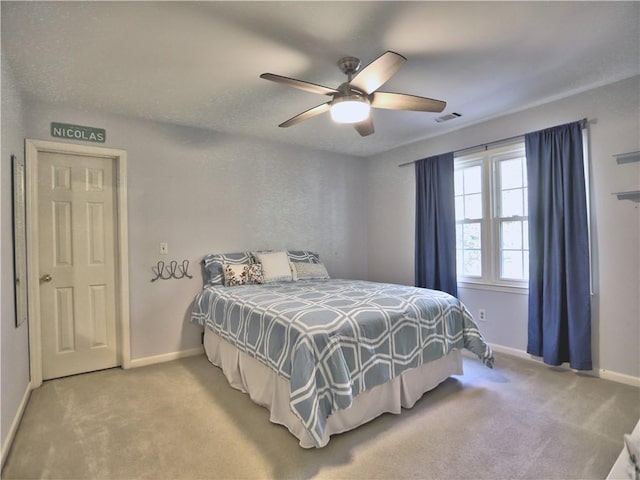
469	219
512	219
492	237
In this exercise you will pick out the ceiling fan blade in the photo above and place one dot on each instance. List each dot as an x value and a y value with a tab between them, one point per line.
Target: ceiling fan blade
402	101
307	114
374	75
365	127
302	85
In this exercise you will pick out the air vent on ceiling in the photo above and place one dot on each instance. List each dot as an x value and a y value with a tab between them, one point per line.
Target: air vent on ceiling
446	118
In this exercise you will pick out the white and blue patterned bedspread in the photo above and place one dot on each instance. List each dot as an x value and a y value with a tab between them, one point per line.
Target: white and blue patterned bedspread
332	339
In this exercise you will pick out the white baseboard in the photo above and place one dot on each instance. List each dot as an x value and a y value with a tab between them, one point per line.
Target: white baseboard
601	373
514	352
6	445
619	377
165	357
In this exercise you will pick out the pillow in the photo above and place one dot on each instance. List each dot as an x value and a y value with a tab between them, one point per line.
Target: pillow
254	273
303	256
275	266
309	271
243	274
212	265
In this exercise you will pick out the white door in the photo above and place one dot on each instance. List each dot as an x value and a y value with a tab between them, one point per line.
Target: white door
76	246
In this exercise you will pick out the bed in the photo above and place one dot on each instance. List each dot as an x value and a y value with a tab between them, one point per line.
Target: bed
326	355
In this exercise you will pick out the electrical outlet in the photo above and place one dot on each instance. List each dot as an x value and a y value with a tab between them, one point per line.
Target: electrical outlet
164	248
482	315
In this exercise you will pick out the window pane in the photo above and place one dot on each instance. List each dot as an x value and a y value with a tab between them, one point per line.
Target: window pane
511	235
459	264
472	264
511	173
512	265
511	203
473	206
459	208
525	237
457	182
471	237
472	180
458	236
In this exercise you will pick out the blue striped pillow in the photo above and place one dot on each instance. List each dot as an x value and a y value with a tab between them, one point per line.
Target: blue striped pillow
303	256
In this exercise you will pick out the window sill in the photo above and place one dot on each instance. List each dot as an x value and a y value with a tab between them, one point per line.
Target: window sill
519	290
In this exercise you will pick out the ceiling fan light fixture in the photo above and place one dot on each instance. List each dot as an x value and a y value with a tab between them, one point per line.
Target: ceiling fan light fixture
350	109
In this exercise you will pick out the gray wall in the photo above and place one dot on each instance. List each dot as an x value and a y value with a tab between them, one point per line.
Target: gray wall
15	352
615	114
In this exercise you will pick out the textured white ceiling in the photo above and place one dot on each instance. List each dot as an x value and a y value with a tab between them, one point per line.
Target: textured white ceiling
198	63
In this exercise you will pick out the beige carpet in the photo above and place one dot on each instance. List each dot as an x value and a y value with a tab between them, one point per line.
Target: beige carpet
181	420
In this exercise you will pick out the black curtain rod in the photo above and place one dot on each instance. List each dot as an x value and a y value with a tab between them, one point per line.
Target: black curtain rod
583	123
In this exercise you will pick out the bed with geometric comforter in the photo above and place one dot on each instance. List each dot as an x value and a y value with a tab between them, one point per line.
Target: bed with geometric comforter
334	339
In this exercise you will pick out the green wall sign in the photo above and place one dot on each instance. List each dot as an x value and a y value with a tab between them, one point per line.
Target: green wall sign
78	132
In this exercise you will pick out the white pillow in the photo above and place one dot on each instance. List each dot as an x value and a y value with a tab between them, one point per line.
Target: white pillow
275	266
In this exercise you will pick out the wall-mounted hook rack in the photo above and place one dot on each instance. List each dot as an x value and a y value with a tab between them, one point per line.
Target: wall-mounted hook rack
172	270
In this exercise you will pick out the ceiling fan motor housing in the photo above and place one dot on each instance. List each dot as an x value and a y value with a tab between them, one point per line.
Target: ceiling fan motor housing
346	90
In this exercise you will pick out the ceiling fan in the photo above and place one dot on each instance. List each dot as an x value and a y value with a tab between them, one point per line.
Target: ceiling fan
351	102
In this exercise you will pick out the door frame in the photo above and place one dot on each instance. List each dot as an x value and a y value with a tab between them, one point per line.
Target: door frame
119	157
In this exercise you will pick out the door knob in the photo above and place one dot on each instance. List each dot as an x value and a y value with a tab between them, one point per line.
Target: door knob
45	278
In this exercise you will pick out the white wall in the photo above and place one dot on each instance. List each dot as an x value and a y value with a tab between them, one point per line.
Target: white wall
204	192
14	353
614	112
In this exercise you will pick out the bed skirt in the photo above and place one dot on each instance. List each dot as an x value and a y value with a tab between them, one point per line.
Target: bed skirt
269	390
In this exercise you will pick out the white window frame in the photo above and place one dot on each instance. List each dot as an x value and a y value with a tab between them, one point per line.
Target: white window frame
490	250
